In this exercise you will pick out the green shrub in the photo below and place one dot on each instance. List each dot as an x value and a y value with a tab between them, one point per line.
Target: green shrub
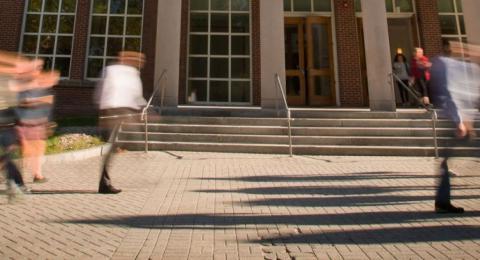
71	142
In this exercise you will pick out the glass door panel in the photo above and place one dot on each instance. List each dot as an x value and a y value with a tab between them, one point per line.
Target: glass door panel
294	61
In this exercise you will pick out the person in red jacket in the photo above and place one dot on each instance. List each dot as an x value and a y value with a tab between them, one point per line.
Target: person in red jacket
420	66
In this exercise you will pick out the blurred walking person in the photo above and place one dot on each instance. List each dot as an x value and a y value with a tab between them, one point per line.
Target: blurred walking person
35	103
11	65
456	90
120	97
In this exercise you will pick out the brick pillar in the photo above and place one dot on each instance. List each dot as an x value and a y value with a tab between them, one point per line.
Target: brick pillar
348	56
429	25
79	51
11	18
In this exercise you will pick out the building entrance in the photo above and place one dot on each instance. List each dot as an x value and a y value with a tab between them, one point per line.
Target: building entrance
309	61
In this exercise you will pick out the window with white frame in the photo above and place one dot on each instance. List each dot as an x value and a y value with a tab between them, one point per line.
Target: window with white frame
48	30
219	52
451	20
115	25
307	5
392	6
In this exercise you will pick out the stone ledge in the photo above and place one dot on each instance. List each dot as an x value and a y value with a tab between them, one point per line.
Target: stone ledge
77	155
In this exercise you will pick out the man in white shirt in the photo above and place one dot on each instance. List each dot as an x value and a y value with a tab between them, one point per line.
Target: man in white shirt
120	99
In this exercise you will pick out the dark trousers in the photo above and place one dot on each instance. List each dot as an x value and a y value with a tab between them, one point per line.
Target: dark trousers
110	122
7	140
443	190
403	92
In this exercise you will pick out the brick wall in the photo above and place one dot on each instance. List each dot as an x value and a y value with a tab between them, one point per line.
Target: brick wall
348	54
429	25
11	18
255	49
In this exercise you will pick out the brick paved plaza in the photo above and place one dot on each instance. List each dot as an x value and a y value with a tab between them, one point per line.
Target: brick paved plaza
183	205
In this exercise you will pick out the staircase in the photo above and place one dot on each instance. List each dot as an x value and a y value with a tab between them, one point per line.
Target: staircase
314	132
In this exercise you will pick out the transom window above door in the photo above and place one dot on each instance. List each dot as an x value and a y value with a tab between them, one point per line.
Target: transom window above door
392	6
307	5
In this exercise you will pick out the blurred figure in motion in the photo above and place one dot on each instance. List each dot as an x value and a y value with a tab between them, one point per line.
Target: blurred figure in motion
456	91
35	102
420	66
120	97
11	66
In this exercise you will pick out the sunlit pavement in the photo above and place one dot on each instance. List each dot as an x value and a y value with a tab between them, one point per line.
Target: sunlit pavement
183	205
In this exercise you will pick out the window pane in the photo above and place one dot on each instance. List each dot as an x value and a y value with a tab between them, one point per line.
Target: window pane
240	5
117	6
220	5
100	6
63	65
35	5
219	91
219	23
97	46
198	67
240	23
33	23
322	5
135	7
240	45
459	6
94	68
29	44
219	67
302	5
114	46
99	25
51	6
404	5
47	63
115	26
198	44
287	5
199	23
68	6
358	6
66	24
240	91
64	45
133	44
241	68
197	90
199	5
445	6
46	44
49	24
219	45
134	26
448	24
462	24
389	5
322	86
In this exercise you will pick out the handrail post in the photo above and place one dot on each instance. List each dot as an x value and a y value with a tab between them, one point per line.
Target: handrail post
290	134
146	131
434	125
277	96
278	83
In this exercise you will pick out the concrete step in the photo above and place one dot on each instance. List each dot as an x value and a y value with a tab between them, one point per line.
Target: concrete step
296	140
297	150
282	130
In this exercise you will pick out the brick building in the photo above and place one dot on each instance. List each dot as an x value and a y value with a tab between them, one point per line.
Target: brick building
334	53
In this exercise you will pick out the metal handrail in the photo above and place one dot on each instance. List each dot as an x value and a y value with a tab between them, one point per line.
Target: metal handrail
158	86
430	109
279	85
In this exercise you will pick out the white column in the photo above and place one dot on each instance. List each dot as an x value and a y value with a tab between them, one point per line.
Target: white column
272	49
471	9
377	52
168	47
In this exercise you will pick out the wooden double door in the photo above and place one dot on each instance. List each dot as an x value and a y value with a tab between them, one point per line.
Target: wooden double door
309	61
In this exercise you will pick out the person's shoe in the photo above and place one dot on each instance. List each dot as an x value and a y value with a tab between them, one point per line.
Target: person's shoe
14	194
448	208
40	180
25	189
108	190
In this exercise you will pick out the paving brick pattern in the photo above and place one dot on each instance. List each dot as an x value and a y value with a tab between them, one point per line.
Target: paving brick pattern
186	205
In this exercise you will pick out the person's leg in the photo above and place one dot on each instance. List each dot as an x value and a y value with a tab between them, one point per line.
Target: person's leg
105	186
